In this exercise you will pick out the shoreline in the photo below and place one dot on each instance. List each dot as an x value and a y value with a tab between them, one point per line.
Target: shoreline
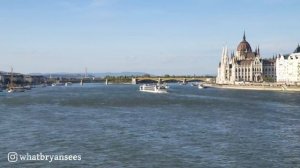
264	88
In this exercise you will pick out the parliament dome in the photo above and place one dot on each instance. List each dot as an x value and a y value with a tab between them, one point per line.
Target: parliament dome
244	46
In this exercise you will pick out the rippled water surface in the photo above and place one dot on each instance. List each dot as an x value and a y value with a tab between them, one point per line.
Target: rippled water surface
118	126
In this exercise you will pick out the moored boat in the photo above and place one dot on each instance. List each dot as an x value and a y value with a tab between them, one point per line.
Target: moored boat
27	87
11	87
58	84
194	84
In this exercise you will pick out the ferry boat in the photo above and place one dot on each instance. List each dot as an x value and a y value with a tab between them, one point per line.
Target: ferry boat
153	88
15	89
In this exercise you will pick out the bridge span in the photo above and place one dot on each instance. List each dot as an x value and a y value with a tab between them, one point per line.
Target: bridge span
172	79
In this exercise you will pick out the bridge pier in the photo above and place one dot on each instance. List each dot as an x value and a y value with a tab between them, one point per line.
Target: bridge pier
159	81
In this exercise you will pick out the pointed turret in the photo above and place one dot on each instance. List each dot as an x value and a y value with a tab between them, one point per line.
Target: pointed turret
222	58
297	49
226	51
226	56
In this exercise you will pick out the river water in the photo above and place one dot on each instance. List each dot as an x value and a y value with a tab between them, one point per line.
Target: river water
118	126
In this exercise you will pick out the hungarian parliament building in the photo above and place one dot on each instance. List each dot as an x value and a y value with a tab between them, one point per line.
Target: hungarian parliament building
246	65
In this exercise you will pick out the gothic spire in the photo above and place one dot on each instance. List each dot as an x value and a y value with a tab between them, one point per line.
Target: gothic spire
223	51
226	51
244	37
222	58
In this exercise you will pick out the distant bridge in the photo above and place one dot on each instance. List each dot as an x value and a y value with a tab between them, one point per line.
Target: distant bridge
172	79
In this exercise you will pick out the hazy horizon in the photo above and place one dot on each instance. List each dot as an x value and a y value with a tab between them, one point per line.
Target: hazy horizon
155	37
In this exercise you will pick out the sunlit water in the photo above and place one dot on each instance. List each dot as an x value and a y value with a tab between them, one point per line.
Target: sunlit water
118	126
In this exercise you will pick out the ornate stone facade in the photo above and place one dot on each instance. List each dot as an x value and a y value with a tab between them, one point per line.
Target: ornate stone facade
288	68
244	65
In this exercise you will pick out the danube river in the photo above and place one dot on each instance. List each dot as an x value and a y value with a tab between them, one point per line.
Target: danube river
118	126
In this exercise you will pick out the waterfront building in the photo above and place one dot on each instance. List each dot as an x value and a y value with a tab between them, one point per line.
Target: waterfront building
21	79
288	68
17	78
244	65
34	79
269	70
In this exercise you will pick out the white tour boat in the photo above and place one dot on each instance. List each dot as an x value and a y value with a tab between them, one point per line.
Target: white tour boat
153	88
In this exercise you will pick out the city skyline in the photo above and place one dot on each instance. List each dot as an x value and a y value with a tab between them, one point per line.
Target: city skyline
157	37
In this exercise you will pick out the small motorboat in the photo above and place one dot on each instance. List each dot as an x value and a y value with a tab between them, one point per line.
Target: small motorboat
201	86
68	84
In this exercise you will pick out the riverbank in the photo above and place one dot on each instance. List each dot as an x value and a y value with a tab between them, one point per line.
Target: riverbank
259	87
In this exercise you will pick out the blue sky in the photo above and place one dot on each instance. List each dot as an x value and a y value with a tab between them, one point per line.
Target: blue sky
153	36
